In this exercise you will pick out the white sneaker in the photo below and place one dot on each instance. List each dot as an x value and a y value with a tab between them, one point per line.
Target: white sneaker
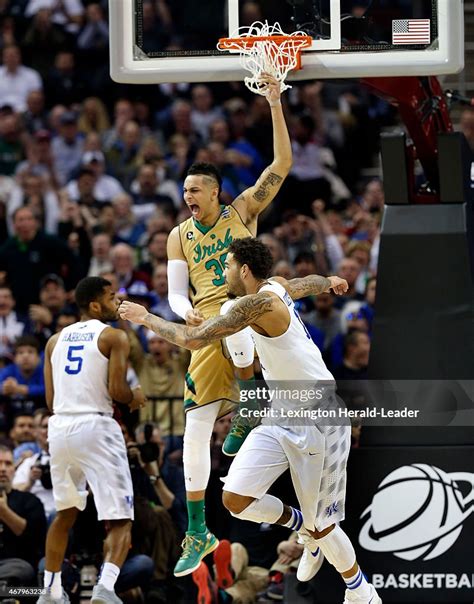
353	598
311	560
101	595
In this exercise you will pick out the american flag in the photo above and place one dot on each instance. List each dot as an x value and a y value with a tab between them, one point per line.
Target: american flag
411	31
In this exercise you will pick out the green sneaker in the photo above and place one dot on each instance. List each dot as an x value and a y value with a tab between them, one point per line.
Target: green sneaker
239	430
195	547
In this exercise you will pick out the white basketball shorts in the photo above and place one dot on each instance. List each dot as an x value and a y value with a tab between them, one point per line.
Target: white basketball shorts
89	449
317	459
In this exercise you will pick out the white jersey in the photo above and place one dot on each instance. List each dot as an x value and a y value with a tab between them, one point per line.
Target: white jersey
80	371
293	355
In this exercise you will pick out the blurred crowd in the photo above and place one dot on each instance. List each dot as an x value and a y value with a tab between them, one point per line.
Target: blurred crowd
91	176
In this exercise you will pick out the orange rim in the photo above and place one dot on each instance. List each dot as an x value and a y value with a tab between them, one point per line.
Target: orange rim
249	41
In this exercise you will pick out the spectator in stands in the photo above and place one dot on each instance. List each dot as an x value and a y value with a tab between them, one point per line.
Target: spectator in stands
94	36
356	357
124	267
150	182
373	197
67	316
29	255
128	226
240	153
43	316
85	185
11	146
275	247
63	84
24	528
36	194
16	80
155	252
360	251
123	113
22	436
35	116
284	269
67	147
122	158
106	187
289	554
306	179
12	325
32	475
93	117
67	13
203	112
325	317
42	41
22	381
101	254
171	492
39	160
179	157
348	269
161	374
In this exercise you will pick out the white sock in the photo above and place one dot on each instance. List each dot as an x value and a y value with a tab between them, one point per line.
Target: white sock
358	584
296	520
52	582
108	575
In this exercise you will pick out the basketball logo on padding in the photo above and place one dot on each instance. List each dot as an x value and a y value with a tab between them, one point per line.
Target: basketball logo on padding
417	512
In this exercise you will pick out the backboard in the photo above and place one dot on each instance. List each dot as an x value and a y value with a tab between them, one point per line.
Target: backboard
351	38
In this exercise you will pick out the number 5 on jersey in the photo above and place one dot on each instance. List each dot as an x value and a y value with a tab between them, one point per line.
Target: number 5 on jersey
76	360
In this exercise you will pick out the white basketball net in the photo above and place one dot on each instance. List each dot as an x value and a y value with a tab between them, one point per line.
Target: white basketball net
266	56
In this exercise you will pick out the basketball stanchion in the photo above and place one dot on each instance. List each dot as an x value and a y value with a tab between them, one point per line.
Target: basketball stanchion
268	49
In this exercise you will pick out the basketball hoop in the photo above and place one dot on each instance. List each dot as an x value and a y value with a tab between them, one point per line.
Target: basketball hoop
266	48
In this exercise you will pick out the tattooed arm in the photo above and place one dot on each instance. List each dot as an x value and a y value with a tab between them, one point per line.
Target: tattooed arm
255	199
244	312
312	285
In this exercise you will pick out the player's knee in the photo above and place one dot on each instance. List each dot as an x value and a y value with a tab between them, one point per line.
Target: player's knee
122	527
66	518
235	503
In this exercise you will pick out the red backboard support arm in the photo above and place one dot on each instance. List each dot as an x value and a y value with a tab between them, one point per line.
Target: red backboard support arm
424	111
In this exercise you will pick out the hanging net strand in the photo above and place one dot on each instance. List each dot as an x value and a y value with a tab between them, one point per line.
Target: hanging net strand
264	49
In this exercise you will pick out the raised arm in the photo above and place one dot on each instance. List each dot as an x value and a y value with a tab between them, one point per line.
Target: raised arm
312	285
255	199
245	311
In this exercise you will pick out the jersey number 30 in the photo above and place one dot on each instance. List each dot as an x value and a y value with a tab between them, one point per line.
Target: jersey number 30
218	266
76	360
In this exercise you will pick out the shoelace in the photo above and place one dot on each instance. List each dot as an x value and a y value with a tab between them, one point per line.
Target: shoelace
188	544
238	426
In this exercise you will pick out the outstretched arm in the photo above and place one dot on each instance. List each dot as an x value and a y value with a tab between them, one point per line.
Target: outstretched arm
255	199
244	312
312	285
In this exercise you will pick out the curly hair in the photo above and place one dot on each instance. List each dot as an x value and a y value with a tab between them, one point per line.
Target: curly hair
255	254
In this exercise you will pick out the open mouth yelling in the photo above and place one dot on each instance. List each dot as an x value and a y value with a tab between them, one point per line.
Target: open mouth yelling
195	209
